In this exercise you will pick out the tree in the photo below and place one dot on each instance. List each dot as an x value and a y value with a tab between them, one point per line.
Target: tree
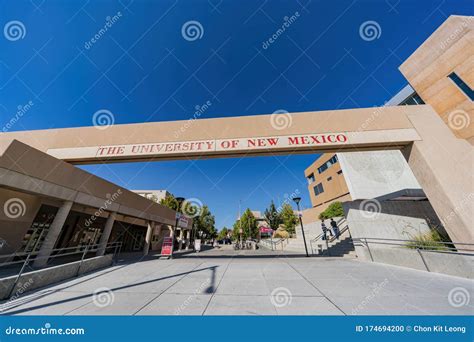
272	216
333	210
170	202
248	224
288	218
223	233
204	223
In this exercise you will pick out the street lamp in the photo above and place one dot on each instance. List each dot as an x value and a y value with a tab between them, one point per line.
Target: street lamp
180	201
297	201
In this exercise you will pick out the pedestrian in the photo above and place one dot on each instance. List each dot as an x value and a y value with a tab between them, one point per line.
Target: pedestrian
324	229
335	228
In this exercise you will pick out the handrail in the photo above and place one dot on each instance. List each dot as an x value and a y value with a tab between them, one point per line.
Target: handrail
416	245
89	248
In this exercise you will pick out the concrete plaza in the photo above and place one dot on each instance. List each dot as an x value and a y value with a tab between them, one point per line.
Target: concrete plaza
225	282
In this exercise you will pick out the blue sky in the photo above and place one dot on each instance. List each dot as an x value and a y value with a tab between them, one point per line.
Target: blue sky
143	69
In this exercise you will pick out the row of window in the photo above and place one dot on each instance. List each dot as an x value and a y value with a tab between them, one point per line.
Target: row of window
327	164
319	189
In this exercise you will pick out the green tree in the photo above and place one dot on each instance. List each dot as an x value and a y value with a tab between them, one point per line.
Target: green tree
288	218
204	223
223	233
333	210
248	223
170	202
272	216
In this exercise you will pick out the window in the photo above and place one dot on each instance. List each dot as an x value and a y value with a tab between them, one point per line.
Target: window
318	189
329	178
413	99
339	172
311	178
462	85
327	164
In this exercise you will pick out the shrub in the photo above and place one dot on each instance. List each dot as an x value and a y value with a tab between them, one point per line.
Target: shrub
281	233
333	210
430	240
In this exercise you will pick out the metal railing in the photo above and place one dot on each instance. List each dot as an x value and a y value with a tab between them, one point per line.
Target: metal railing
274	243
82	251
327	241
443	247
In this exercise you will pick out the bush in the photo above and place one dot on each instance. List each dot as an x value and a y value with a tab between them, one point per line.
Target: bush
281	233
333	210
430	240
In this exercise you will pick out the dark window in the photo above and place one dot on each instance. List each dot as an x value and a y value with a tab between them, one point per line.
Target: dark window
329	178
327	164
462	85
339	172
311	178
318	189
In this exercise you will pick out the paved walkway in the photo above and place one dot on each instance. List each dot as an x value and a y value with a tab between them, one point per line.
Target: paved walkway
251	283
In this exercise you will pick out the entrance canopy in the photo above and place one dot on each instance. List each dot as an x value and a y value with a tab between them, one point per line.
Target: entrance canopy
335	130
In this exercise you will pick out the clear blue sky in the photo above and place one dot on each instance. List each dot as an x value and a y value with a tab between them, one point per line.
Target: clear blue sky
142	69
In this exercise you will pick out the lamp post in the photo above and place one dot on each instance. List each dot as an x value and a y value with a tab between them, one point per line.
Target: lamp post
180	201
297	201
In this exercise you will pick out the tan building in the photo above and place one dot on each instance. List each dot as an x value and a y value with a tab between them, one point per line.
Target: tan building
40	163
155	195
326	184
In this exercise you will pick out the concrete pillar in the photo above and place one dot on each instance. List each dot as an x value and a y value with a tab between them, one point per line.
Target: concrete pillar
53	234
181	237
149	234
188	239
442	164
104	238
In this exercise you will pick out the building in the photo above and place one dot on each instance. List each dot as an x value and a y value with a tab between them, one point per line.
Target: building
155	195
50	204
326	184
37	166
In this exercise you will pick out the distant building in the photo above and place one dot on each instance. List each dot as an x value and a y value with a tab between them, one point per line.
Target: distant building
350	176
157	195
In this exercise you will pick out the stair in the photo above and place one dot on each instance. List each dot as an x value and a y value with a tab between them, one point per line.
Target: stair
343	247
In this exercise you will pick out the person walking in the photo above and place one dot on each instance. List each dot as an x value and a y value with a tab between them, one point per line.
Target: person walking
324	229
334	228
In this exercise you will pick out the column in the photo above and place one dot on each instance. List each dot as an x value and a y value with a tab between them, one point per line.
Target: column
181	237
149	233
104	238
53	234
442	164
188	239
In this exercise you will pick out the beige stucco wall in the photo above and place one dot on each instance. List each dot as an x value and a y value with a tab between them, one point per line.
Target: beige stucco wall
450	48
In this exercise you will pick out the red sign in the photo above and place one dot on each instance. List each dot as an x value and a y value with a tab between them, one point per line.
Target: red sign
167	246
